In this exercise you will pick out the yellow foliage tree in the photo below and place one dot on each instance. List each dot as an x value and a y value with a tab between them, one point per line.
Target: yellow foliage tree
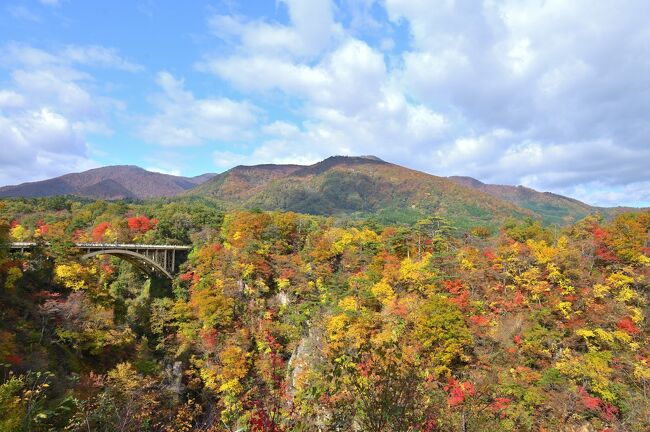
19	233
74	275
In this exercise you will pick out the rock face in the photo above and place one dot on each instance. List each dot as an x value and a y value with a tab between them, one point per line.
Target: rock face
174	376
307	354
112	182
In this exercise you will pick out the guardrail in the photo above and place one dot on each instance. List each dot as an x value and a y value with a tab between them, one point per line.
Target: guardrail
25	245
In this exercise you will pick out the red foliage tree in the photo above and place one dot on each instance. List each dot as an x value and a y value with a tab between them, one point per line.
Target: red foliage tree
42	227
592	403
499	405
14	359
601	240
141	224
261	421
479	320
627	325
210	338
458	391
99	231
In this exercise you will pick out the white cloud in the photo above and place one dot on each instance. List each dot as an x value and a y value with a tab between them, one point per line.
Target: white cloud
30	136
173	171
11	99
351	105
263	73
274	152
501	156
53	88
281	129
39	143
348	79
312	28
99	56
20	12
18	54
48	108
554	67
183	120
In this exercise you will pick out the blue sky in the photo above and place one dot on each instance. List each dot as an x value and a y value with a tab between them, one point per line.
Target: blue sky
550	94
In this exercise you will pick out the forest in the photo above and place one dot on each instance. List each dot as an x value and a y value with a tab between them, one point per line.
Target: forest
280	321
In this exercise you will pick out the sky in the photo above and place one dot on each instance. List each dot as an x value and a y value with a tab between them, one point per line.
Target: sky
550	94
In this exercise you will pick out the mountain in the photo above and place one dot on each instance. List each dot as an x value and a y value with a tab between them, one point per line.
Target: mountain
241	182
197	180
112	182
342	184
334	186
553	208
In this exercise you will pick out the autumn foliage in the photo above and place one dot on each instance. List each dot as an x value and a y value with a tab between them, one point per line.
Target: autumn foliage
141	224
287	322
99	232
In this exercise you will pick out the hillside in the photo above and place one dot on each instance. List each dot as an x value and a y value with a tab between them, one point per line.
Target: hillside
341	184
242	182
553	208
112	182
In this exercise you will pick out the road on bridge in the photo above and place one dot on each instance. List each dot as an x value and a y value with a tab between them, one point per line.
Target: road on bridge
160	259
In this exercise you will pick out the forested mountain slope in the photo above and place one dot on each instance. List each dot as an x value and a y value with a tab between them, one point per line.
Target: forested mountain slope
551	207
341	184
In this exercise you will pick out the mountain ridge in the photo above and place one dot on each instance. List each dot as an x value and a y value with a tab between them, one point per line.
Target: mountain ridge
335	185
348	185
109	182
552	207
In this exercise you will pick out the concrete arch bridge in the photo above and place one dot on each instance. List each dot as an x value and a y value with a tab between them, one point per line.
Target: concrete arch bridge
160	260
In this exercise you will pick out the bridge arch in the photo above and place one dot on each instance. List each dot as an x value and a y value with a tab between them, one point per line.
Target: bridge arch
143	262
155	260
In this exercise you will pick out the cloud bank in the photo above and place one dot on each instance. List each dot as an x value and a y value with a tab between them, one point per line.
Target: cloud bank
549	94
552	94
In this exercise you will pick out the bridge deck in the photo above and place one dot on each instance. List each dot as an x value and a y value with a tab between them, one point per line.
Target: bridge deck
27	245
163	259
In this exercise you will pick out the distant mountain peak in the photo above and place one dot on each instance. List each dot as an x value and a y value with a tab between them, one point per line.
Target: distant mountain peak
372	157
263	167
346	158
350	184
109	182
334	161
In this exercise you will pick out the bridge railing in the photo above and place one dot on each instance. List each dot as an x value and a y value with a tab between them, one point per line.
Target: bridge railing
131	246
26	245
22	244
